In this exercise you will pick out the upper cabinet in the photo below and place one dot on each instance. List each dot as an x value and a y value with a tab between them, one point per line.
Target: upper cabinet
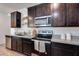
58	14
65	15
38	11
62	14
31	14
43	9
16	19
72	18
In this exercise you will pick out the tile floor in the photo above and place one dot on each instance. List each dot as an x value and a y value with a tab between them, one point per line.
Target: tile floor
7	52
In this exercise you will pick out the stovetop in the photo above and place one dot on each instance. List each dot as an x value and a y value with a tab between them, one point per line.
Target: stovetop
41	39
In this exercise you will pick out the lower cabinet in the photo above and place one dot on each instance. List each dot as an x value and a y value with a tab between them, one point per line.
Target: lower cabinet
61	52
19	44
13	43
60	49
23	45
16	44
27	46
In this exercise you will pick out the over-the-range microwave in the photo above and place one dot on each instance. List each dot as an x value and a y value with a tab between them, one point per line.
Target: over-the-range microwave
42	21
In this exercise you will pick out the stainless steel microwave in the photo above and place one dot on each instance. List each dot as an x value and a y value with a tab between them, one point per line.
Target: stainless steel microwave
42	21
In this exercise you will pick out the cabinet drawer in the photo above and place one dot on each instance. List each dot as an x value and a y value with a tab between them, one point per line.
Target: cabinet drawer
56	51
64	46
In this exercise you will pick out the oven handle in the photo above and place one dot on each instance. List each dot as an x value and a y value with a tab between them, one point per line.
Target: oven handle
44	41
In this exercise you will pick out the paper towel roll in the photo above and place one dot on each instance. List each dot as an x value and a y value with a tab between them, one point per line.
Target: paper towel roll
34	33
68	36
63	36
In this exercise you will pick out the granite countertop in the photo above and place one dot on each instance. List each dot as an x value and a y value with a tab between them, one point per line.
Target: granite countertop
73	41
26	36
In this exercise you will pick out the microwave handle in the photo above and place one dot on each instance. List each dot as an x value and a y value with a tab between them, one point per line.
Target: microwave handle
47	20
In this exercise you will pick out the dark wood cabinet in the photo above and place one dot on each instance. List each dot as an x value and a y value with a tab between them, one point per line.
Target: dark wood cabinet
58	15
43	9
37	11
57	51
13	44
27	46
23	45
62	14
31	11
60	49
31	14
65	15
16	44
72	14
16	19
19	44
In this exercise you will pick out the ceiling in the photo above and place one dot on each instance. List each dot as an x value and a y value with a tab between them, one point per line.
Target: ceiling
8	7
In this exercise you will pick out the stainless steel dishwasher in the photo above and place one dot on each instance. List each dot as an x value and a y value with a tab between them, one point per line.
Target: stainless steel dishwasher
8	42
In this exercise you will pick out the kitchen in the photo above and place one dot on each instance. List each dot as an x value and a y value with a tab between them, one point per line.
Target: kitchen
43	29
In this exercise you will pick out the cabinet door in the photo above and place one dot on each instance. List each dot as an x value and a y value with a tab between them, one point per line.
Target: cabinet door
18	19
15	19
27	46
19	44
46	9
31	14
58	14
66	52
43	9
56	51
59	49
38	10
72	14
13	43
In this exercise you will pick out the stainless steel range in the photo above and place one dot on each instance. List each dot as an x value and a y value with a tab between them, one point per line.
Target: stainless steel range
42	43
44	35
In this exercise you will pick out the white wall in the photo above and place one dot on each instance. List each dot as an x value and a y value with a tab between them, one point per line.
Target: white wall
4	26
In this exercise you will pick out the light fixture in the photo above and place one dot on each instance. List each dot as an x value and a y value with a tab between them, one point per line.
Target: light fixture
56	5
56	14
